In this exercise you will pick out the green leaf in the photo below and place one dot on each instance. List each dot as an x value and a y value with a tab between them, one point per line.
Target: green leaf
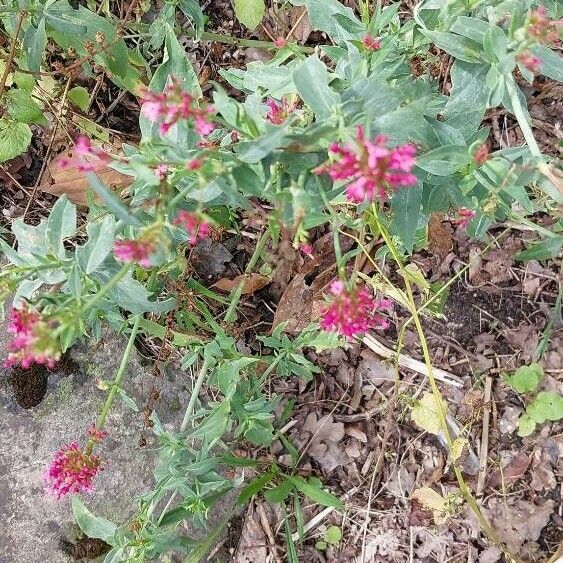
469	92
543	250
405	205
100	240
61	224
472	28
252	152
315	493
444	161
34	43
333	535
192	10
322	18
311	80
280	492
114	204
494	42
23	108
92	526
551	62
15	137
128	401
456	45
525	425
80	97
546	406
526	378
254	487
249	12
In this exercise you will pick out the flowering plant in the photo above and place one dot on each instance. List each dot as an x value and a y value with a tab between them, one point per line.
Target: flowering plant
346	139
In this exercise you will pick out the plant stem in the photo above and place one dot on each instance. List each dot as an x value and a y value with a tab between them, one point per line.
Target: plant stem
195	393
237	292
105	289
117	380
21	17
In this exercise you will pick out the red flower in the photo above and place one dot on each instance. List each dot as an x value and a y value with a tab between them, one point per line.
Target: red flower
464	217
277	113
196	227
353	311
541	28
72	471
529	61
172	105
371	43
481	154
33	341
280	42
134	251
85	156
371	168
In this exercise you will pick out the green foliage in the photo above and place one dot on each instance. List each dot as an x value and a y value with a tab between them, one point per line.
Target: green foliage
249	12
80	97
93	526
526	378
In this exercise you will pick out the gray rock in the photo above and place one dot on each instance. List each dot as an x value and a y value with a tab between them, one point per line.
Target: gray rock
33	522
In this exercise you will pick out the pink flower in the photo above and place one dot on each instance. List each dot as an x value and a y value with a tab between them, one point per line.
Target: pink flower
481	154
307	249
541	28
277	113
134	251
371	43
33	341
71	471
529	61
194	164
196	227
464	217
85	157
161	172
353	311
371	168
280	42
172	105
96	434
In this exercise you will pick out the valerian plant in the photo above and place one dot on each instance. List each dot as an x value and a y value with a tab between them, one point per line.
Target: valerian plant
346	137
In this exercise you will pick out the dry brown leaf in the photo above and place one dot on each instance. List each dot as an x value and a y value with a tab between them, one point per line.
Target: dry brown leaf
300	24
433	502
511	471
252	544
73	182
295	306
325	448
440	240
252	283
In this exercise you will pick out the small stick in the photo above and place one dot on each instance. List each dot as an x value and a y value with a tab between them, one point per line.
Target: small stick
407	362
268	531
484	449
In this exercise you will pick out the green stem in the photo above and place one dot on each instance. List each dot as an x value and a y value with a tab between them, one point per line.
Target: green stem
115	386
105	289
195	394
237	292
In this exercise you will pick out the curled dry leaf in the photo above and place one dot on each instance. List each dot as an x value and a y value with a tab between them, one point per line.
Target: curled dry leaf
429	507
252	283
73	182
295	306
512	471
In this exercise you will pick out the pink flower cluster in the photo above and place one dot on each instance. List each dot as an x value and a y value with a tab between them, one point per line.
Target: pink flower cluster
543	29
464	217
371	43
371	167
529	61
172	105
71	471
196	227
481	154
278	113
134	251
33	341
96	434
280	42
353	310
85	156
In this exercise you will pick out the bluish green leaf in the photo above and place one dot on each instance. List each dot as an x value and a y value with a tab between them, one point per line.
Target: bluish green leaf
551	62
544	250
311	81
92	526
405	206
96	249
456	45
114	204
34	43
444	161
61	224
472	28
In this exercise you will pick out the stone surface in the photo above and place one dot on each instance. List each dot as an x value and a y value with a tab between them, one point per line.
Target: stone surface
33	522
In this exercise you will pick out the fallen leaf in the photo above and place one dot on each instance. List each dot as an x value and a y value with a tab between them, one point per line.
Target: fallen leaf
511	471
324	447
252	543
73	182
425	414
300	24
295	306
432	502
252	283
519	522
440	240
